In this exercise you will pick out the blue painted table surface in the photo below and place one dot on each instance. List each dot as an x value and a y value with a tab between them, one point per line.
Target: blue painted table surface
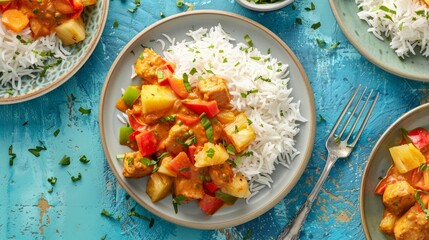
73	210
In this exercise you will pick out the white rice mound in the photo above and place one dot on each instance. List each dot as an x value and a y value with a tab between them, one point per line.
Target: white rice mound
404	22
22	59
271	109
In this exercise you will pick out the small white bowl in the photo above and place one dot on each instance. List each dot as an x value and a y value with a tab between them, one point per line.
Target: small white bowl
264	7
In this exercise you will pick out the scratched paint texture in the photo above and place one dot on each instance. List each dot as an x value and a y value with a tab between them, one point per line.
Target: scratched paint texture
73	209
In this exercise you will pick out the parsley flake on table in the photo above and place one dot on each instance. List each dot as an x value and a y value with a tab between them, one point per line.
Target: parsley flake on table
78	178
298	21
84	111
84	159
311	8
52	180
36	151
56	132
133	213
315	26
12	155
115	24
64	161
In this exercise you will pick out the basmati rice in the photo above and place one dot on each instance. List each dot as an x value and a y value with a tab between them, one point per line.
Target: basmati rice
258	85
404	22
23	59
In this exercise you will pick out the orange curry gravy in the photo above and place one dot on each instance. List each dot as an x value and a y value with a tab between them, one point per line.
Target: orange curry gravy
45	15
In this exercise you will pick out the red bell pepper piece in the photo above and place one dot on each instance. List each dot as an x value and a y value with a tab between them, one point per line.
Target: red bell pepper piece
181	165
188	120
5	6
178	87
134	122
210	204
192	150
147	142
419	137
165	72
199	106
77	7
211	188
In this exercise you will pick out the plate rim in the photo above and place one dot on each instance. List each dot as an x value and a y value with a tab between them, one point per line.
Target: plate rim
306	152
370	161
65	77
367	54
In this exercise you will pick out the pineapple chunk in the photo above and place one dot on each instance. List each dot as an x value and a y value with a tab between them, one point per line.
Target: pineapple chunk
156	98
211	154
388	222
238	187
159	186
240	133
71	31
164	167
406	157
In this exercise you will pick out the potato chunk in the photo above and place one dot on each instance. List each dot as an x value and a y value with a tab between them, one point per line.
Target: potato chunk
156	98
133	167
398	197
159	186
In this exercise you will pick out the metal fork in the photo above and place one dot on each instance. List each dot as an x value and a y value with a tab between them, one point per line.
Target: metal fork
338	147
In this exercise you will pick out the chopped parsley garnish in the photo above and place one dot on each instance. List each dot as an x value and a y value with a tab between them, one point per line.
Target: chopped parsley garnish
248	40
210	152
386	9
84	111
230	149
315	26
65	161
78	178
115	24
162	15
120	157
147	161
244	95
186	83
56	132
311	8
184	169
193	71
424	167
133	213
179	3
12	155
52	180
177	201
164	154
298	21
231	162
169	118
420	202
247	154
207	126
84	159
321	118
106	213
36	151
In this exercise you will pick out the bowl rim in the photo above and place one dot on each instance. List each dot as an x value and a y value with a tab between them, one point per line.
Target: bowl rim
364	52
266	7
370	160
65	77
307	152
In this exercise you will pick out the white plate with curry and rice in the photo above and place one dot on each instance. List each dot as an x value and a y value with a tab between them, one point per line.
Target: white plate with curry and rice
167	36
31	67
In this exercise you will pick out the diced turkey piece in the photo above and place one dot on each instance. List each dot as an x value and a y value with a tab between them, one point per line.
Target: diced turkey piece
398	197
133	167
413	225
147	64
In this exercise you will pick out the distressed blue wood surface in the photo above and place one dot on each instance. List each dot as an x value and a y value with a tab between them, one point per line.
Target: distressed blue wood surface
73	210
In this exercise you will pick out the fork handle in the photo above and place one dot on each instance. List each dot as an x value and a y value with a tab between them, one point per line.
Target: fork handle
292	230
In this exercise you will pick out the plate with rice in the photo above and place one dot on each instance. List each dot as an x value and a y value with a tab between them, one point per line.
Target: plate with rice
248	56
32	67
392	34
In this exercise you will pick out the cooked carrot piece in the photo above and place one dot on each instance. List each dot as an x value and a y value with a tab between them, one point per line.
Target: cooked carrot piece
15	20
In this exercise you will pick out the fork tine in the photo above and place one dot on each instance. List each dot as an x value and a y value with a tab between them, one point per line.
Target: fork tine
364	121
351	115
359	115
340	118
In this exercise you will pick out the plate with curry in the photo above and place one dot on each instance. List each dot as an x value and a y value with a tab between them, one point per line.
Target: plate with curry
207	119
44	43
394	192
